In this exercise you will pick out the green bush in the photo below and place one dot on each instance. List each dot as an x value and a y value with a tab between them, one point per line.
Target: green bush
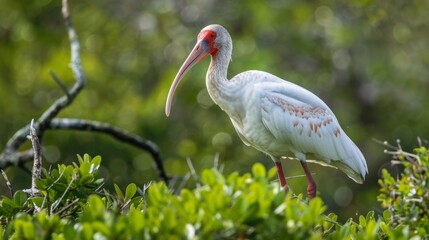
407	197
72	205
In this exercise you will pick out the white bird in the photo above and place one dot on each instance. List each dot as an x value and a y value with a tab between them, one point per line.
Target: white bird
272	115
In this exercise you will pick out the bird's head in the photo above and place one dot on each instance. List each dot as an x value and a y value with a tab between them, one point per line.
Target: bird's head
210	41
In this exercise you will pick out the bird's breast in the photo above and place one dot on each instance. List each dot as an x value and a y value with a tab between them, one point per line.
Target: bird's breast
252	131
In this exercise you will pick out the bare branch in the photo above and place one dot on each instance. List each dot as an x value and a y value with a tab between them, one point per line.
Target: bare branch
78	73
58	201
193	172
137	141
37	165
67	207
60	83
8	184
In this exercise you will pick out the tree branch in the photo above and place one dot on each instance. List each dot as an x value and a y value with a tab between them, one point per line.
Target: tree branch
8	184
78	73
37	164
121	135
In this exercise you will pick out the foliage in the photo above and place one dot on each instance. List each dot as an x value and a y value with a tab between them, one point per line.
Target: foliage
407	196
58	189
248	206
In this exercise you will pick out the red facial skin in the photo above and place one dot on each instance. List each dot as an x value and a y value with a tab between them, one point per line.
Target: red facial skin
209	36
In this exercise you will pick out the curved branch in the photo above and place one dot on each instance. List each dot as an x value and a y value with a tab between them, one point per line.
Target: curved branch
119	134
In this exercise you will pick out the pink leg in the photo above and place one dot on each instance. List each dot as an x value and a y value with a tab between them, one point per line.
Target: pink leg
311	187
282	178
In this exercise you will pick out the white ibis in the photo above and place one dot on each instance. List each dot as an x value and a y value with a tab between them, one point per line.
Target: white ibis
272	115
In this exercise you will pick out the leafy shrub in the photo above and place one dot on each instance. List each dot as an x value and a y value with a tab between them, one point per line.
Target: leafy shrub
407	198
72	205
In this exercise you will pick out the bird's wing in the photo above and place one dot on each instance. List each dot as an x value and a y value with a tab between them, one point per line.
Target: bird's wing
300	119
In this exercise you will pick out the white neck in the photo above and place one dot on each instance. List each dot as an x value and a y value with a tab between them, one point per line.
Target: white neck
220	89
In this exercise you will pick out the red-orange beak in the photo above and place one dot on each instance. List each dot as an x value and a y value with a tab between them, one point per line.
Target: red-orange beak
200	51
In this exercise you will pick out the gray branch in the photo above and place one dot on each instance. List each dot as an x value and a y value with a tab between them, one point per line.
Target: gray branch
119	134
8	184
37	163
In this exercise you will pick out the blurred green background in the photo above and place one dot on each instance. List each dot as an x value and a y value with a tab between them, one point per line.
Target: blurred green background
368	60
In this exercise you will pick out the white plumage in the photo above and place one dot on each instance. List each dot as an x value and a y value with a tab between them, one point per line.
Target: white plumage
272	115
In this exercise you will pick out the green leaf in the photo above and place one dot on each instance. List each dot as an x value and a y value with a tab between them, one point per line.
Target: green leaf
96	160
384	228
102	228
208	177
96	204
99	181
345	230
272	173
118	192
130	191
86	231
170	220
259	170
87	178
85	168
20	198
362	221
279	198
27	229
232	178
95	164
7	202
69	232
370	215
329	222
38	201
41	184
252	210
387	216
86	158
79	158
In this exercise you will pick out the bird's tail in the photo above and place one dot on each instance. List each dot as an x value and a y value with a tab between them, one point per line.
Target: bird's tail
351	162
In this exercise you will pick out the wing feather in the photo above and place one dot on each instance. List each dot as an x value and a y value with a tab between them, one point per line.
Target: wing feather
305	123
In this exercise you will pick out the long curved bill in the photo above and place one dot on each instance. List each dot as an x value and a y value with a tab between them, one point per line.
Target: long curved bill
200	51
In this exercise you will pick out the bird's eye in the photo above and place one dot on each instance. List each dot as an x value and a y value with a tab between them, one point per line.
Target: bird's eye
212	35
